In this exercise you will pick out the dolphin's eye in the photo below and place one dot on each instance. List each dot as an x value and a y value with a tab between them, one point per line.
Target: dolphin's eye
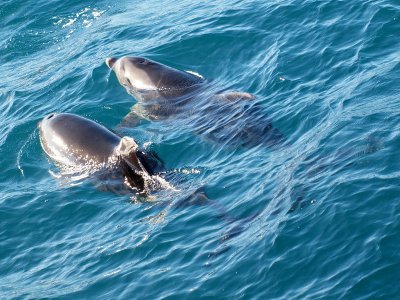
128	81
142	61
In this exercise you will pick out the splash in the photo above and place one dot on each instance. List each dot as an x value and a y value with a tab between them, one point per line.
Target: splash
85	17
21	151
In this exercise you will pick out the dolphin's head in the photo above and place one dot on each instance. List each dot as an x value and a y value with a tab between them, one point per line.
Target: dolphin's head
82	144
141	75
73	140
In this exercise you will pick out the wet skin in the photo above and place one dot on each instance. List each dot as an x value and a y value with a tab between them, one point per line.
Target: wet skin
74	141
162	92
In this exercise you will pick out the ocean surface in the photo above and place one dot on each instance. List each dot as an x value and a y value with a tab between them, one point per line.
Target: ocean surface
318	218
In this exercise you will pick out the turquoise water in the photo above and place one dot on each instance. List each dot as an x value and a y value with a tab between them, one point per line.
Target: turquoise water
318	218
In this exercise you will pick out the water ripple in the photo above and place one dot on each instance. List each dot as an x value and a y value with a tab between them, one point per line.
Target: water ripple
314	218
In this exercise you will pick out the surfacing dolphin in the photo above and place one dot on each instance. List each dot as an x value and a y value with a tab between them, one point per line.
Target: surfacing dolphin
80	144
75	142
162	92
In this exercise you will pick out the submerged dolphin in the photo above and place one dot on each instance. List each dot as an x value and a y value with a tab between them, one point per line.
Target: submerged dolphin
162	92
76	142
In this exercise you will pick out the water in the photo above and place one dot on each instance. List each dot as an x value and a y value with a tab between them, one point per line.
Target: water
318	218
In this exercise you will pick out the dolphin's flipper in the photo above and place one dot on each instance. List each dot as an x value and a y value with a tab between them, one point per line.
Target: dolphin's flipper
132	119
197	198
235	95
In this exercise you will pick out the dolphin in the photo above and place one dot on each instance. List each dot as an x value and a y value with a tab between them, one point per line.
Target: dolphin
76	142
162	92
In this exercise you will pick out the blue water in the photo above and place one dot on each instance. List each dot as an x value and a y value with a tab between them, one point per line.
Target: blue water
318	218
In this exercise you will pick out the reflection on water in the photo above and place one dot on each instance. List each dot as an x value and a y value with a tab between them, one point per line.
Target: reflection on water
289	195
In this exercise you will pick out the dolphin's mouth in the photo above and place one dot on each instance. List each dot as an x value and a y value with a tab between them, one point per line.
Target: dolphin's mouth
126	150
110	61
136	175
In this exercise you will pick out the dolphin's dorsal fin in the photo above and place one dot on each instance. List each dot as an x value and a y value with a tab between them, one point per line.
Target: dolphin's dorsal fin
235	95
195	74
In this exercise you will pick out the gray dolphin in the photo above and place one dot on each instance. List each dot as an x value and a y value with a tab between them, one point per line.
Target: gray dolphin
74	141
162	92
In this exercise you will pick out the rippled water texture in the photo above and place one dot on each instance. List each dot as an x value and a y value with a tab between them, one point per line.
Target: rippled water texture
317	218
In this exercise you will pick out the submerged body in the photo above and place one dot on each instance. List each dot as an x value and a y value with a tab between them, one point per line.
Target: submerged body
162	92
82	144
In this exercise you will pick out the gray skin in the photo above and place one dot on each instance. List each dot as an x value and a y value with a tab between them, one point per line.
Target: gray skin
144	77
75	141
162	92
